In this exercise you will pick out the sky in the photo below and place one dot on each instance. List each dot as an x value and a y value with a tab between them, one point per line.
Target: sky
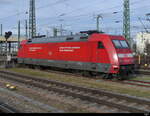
74	15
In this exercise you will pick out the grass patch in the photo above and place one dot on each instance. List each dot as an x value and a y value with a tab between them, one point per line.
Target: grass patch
142	78
99	84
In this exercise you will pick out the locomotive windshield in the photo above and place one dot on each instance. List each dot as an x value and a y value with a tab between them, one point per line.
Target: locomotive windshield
124	44
120	44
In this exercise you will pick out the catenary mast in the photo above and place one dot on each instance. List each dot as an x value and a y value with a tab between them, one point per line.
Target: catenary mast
32	19
126	21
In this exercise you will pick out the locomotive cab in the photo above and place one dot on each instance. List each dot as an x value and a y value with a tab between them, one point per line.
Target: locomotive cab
124	54
114	54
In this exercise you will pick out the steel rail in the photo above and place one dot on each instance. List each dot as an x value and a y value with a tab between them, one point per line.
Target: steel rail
70	93
7	109
142	72
132	82
144	82
94	91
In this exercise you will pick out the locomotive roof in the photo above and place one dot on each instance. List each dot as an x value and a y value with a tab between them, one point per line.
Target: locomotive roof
71	38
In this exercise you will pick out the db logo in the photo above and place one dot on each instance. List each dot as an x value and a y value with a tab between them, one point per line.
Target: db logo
50	53
125	55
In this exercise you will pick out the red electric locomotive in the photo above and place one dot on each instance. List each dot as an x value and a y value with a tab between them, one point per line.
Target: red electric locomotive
89	51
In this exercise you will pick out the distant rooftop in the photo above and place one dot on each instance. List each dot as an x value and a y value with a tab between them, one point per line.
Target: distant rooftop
13	38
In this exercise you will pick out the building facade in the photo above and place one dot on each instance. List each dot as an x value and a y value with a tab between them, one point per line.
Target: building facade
12	44
142	40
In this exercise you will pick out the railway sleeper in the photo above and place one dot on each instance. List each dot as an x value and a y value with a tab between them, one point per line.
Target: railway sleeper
88	98
93	91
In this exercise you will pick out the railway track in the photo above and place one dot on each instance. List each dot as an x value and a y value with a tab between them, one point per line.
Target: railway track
137	83
7	109
128	82
132	82
144	72
143	82
122	103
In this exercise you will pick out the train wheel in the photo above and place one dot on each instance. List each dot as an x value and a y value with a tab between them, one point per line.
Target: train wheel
71	71
107	76
38	68
94	74
22	66
32	66
122	76
86	74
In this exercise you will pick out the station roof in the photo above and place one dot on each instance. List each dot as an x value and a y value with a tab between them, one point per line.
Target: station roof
11	39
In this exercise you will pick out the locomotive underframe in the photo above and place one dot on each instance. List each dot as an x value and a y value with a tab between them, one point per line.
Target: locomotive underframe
97	67
126	70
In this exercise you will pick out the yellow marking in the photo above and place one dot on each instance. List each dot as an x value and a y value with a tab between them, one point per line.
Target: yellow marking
146	65
12	87
8	85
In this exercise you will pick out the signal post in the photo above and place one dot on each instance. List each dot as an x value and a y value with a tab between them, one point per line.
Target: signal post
8	56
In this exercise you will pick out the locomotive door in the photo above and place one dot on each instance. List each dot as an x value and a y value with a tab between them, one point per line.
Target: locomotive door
101	53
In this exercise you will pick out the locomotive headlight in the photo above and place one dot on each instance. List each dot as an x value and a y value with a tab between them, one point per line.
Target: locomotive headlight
115	57
121	55
130	55
134	54
115	67
125	55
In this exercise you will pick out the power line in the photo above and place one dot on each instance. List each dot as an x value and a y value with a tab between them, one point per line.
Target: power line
118	12
82	8
76	17
48	5
75	9
118	6
102	9
58	2
51	4
32	19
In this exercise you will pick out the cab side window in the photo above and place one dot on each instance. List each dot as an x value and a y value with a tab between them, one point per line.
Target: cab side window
100	45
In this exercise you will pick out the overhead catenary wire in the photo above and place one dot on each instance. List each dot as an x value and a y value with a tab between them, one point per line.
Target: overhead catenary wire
82	15
60	2
47	5
76	10
71	19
